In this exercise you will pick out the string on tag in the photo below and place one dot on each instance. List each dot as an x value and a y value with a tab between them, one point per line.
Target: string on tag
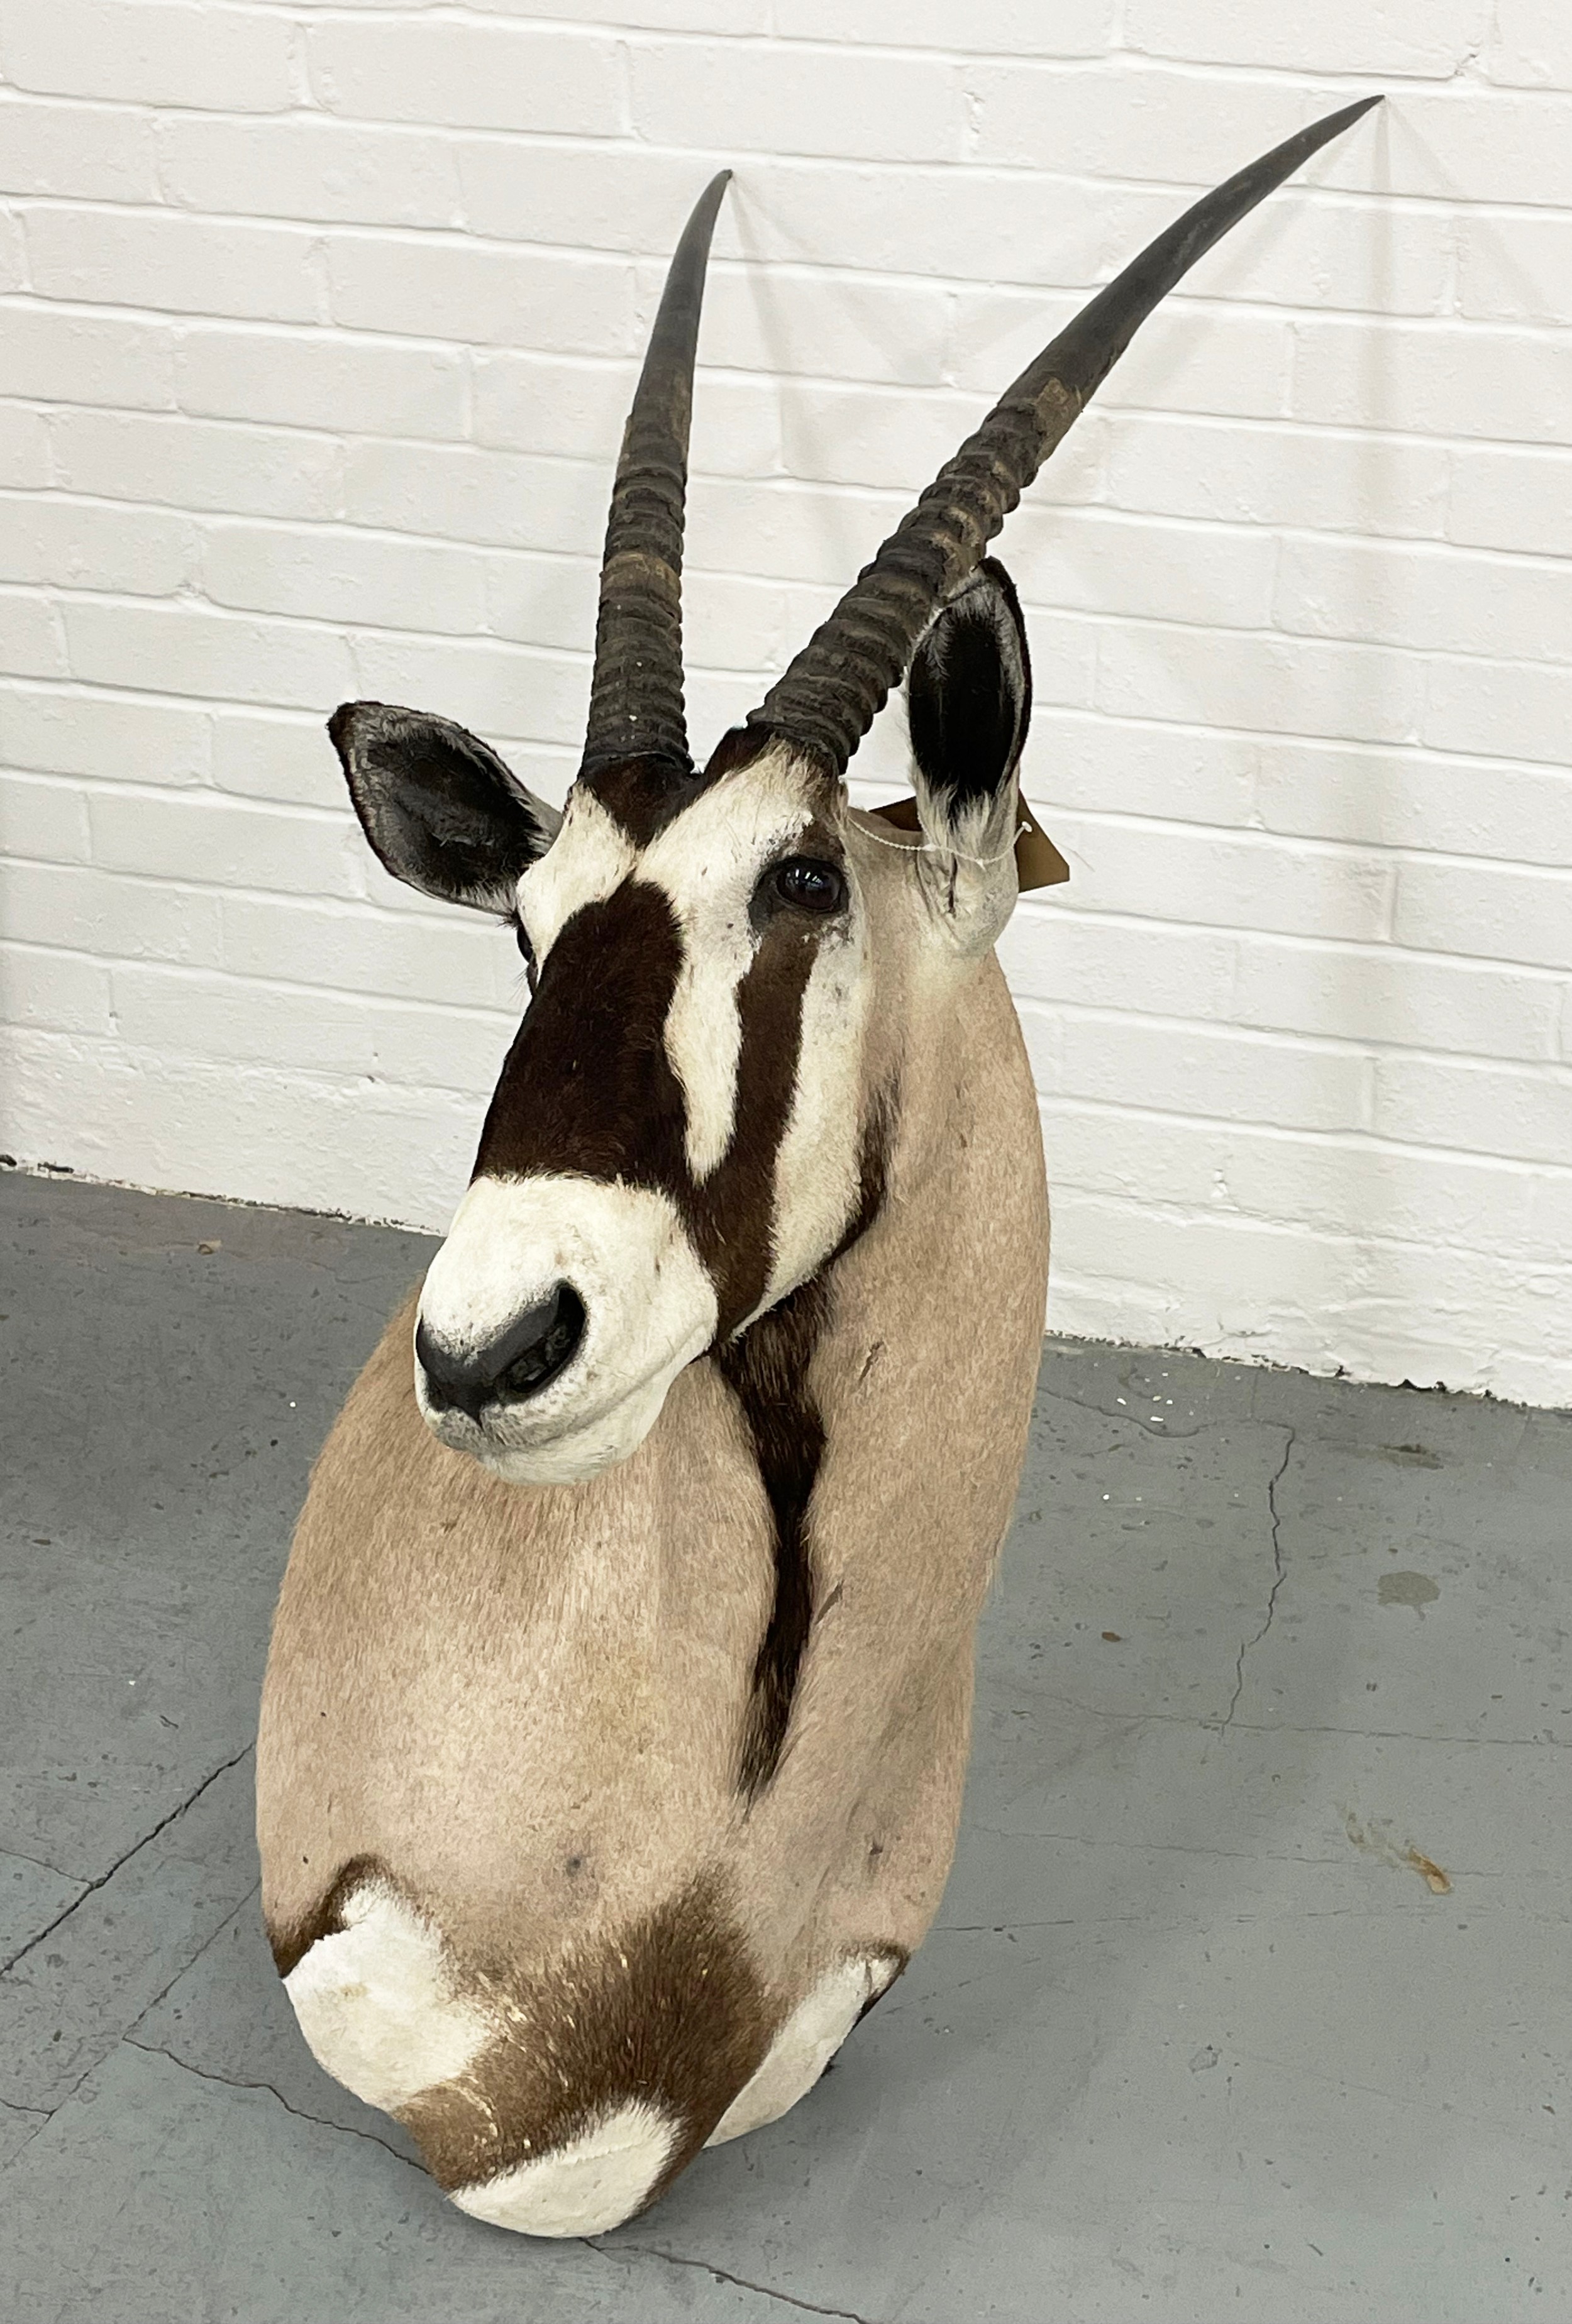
928	847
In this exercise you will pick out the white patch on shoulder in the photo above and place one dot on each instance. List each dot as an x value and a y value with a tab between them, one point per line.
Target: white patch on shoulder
589	860
583	2189
377	2006
804	2046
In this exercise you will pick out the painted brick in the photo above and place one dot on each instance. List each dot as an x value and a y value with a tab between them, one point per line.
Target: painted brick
1298	1178
1515	709
44	820
93	911
184	835
1073	28
1299	686
496	499
78	544
1437	39
1279	475
1107	563
275	755
344	577
69	358
307	167
174	1012
1139	120
1228	879
1531	44
1466	142
1485	911
1511	268
195	463
31	641
1349	995
812	322
486	684
56	992
195	649
884	108
460	959
468	74
1437	600
1511	499
459	290
1102	766
322	380
1434	1101
24	449
1146	967
113	738
1187	1068
1416	799
150	51
49	148
1444	379
187	265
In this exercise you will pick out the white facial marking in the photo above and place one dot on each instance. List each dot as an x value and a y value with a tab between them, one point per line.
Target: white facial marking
804	2046
650	1308
817	1166
376	2006
583	2189
590	859
708	864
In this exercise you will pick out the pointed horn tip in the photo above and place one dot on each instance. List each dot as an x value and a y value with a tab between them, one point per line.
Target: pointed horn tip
1365	104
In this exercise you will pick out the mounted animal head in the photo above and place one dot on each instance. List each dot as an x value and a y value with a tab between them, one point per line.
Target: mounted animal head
727	963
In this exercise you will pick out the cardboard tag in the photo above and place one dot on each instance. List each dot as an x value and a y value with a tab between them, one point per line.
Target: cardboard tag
1038	862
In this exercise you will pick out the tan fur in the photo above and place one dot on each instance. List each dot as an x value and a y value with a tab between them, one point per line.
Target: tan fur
519	1707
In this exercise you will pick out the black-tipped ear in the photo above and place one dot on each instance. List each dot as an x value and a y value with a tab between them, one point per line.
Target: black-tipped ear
968	693
440	810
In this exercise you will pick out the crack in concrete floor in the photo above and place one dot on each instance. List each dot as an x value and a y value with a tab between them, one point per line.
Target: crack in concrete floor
121	1862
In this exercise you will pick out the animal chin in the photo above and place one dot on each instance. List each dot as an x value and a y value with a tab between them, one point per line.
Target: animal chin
574	1432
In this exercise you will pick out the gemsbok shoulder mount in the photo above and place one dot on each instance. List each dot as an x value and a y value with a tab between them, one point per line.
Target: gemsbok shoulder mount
618	1705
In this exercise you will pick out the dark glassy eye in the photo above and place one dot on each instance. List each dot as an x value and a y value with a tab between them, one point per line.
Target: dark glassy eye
810	885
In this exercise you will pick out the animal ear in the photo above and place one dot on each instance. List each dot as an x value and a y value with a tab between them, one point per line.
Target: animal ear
440	810
969	701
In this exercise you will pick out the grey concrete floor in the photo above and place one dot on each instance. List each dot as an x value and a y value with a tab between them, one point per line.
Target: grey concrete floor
1249	1999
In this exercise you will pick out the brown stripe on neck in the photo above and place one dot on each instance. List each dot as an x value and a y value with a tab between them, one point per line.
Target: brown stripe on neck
767	1369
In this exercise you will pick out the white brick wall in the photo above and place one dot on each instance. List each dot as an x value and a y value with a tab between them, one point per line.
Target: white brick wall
316	324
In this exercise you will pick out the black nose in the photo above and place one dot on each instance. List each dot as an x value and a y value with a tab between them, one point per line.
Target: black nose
517	1364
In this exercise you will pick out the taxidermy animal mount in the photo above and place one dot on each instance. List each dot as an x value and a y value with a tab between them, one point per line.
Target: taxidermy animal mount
617	1710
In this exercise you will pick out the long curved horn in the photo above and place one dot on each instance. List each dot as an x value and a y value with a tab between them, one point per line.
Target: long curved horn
635	696
829	696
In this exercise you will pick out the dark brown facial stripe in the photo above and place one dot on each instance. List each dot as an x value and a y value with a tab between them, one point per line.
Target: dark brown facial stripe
587	1086
733	1212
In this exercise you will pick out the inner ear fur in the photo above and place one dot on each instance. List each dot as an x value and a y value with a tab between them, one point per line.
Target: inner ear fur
441	811
968	698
